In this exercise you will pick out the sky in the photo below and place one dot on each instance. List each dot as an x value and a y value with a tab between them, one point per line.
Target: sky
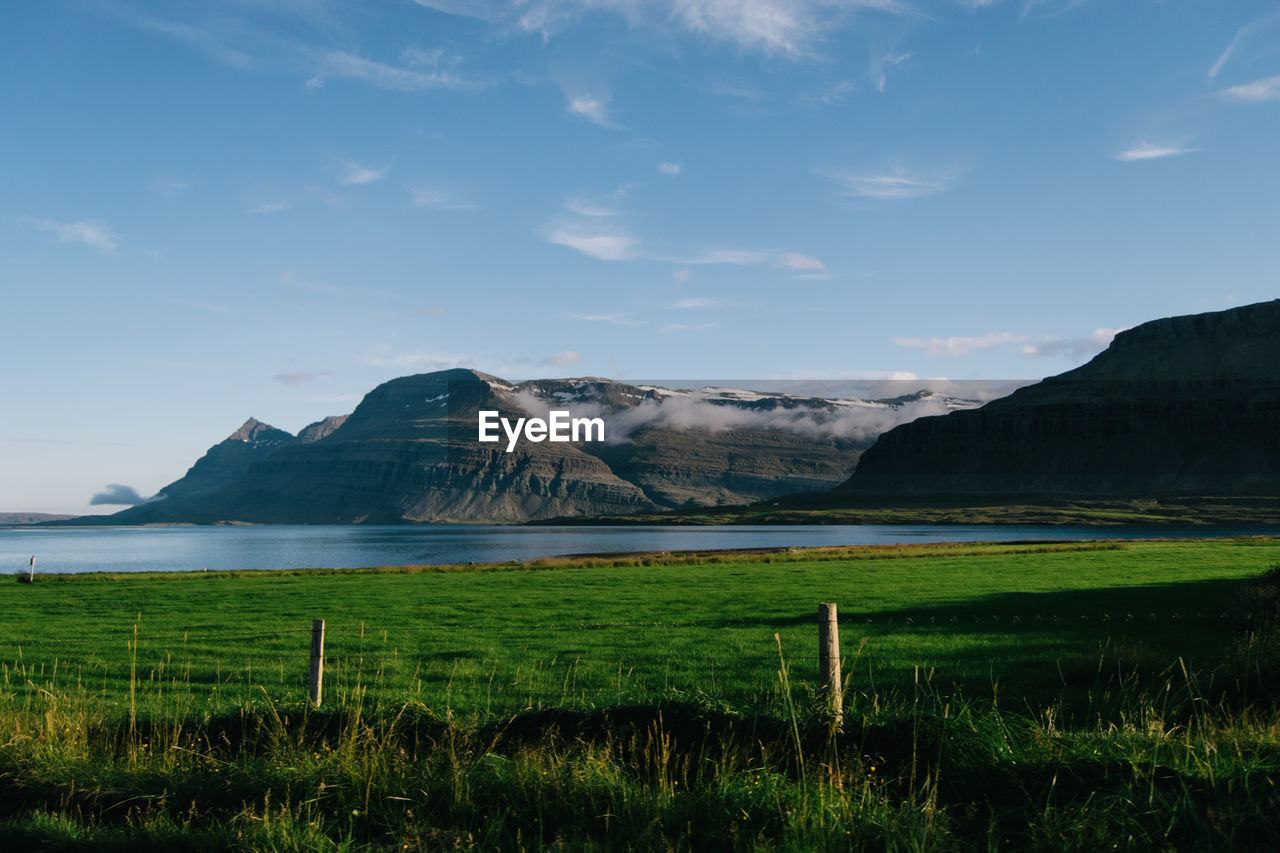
210	211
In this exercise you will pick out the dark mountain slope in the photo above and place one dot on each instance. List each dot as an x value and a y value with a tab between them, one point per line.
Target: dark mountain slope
1179	406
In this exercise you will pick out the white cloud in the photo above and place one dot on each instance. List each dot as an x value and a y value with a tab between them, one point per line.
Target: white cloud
735	257
416	57
295	282
960	346
680	276
584	207
786	27
268	207
1084	347
95	234
802	263
880	63
831	94
423	360
210	307
591	108
687	327
696	302
670	168
357	174
343	65
623	319
1147	151
203	40
561	359
434	199
891	186
1243	36
603	245
1266	89
1056	7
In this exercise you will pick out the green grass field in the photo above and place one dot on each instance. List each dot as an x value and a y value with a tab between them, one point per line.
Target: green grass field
1017	696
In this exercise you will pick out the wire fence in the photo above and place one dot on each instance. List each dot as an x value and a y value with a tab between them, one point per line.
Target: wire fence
502	665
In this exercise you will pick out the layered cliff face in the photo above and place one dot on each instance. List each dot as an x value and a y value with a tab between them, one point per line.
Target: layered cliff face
1179	406
409	452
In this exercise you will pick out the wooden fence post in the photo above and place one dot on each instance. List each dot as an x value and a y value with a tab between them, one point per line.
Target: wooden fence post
317	661
830	681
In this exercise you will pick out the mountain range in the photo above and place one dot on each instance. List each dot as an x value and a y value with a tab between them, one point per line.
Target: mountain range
1176	407
409	453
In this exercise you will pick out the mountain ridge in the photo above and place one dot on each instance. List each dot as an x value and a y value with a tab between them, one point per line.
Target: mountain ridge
408	453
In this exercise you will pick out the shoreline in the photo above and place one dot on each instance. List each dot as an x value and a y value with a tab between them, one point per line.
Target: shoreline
671	557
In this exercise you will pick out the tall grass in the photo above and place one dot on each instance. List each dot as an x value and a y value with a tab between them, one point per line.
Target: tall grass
1165	764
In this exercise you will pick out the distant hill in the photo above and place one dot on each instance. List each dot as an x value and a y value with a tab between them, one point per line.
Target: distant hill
1183	406
8	518
408	453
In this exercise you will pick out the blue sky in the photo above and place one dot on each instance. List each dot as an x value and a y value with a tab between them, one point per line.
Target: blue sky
266	207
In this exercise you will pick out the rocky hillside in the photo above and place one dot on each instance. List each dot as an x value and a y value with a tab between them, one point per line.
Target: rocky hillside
1179	406
409	453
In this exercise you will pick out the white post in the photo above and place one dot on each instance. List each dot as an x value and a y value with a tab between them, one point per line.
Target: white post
316	678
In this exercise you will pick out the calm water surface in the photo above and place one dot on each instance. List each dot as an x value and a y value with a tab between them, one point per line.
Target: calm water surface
142	549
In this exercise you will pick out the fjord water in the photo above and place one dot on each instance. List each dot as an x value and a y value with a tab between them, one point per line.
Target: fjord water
140	549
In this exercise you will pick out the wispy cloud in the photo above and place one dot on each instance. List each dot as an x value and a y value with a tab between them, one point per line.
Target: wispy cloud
1085	347
562	359
670	168
800	263
585	207
435	199
961	346
354	173
1148	151
1050	8
623	319
592	108
687	327
791	28
890	186
94	234
614	245
696	302
204	40
732	257
385	358
295	282
880	65
831	94
298	378
207	307
1266	89
1243	36
338	64
268	207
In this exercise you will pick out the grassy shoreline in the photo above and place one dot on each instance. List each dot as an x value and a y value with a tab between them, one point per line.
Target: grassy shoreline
851	509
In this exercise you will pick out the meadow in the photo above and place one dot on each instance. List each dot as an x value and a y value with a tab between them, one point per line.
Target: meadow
1015	696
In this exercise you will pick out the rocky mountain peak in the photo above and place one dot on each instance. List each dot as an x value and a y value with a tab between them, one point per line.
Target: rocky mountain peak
254	430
